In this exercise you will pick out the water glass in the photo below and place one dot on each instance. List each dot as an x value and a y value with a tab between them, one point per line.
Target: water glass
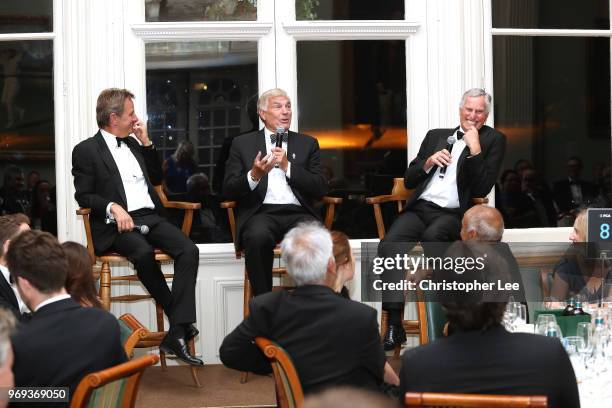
543	321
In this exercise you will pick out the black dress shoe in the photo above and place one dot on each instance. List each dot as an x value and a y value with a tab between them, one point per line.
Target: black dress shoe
395	336
190	332
178	347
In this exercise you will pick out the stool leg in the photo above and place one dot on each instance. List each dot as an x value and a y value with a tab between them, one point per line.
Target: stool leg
105	282
194	372
248	294
159	312
398	347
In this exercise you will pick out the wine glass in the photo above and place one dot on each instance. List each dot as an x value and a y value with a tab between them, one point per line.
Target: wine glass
572	345
543	321
585	332
520	312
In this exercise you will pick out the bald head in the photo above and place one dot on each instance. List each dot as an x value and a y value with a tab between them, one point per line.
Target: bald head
482	223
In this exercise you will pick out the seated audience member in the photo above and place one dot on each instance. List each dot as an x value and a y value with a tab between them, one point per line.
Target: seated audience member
573	192
485	224
63	341
7	324
79	280
331	340
9	297
345	270
539	193
481	357
178	168
518	209
575	274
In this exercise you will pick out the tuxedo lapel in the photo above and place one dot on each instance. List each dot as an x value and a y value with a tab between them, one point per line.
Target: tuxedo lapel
108	160
260	146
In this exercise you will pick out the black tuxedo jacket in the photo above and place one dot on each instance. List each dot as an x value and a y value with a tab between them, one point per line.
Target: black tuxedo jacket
562	193
8	300
331	340
492	362
475	175
307	181
62	343
97	182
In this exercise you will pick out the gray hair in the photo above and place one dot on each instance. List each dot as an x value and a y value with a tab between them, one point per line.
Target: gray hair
475	93
262	102
306	251
480	221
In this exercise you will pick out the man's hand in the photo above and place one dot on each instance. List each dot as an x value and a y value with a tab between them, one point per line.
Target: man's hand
123	219
262	165
472	140
280	157
140	131
440	158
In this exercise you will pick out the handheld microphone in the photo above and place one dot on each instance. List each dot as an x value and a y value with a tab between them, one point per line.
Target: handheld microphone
450	141
280	132
143	229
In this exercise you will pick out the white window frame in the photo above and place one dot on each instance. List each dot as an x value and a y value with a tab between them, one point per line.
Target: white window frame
62	172
559	234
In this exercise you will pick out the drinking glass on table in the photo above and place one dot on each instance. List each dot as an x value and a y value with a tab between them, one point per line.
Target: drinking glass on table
520	312
572	345
585	332
543	321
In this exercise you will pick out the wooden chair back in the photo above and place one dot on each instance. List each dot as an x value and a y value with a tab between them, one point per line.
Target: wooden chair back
115	387
399	195
431	399
289	392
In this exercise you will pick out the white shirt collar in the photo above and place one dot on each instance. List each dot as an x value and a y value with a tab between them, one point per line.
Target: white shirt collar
51	300
5	273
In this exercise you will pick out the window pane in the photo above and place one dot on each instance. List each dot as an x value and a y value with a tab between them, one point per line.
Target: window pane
556	115
199	95
349	10
27	132
355	105
200	10
569	14
26	16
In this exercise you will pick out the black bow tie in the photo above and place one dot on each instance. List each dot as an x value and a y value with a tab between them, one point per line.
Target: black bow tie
119	141
273	138
460	135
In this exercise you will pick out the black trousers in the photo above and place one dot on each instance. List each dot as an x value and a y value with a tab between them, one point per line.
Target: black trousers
424	222
178	304
260	235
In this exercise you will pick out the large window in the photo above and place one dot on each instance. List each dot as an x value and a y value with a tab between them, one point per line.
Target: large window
355	105
199	96
552	100
27	136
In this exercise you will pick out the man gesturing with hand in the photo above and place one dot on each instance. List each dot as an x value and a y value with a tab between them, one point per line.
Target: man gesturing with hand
114	174
275	186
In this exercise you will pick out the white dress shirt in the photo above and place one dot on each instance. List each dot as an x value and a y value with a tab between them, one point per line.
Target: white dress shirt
443	191
132	176
22	306
279	191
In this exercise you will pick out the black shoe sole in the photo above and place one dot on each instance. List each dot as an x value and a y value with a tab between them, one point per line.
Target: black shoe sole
168	350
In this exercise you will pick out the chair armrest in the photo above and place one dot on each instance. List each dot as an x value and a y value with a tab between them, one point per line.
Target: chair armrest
332	200
228	204
385	198
182	205
83	211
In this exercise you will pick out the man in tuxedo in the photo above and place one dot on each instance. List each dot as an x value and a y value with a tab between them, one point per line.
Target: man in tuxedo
114	174
331	340
445	184
481	357
275	186
63	341
9	297
573	192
